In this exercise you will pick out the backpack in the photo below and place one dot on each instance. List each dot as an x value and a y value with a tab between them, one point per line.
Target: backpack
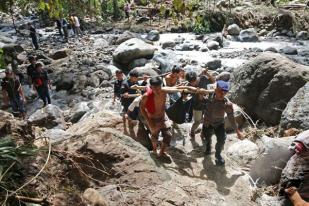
179	111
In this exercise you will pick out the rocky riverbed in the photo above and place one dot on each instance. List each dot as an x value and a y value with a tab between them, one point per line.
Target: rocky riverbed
270	75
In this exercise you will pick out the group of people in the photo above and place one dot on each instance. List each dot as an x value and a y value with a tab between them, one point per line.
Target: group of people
12	90
147	99
63	26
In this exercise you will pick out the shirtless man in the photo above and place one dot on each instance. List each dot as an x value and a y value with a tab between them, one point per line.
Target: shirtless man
172	78
152	108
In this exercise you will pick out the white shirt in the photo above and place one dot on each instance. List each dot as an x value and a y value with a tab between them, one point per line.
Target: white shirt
76	21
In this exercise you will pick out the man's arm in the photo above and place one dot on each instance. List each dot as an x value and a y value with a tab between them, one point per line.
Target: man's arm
230	114
195	90
136	87
21	93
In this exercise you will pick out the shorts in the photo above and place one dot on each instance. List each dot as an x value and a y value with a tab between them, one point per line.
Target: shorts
163	125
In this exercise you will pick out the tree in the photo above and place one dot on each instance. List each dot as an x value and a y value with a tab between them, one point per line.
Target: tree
7	7
116	10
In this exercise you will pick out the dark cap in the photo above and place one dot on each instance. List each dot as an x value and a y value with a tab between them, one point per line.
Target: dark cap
225	86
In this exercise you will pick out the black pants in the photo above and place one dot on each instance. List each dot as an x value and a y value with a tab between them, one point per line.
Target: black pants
35	42
44	94
219	131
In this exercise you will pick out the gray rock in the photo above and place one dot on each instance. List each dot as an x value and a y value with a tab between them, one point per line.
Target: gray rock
204	49
266	200
138	63
103	75
302	35
165	60
271	49
243	152
100	43
93	81
269	144
168	44
248	35
153	35
93	197
78	111
179	40
65	82
125	36
289	50
233	30
284	20
148	69
49	117
296	113
5	39
131	50
213	45
214	37
225	76
263	32
265	84
59	54
214	64
9	49
185	47
56	135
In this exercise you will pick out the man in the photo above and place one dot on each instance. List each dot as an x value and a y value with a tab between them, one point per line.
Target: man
33	36
59	26
128	95
198	99
117	85
31	68
64	24
41	83
13	93
77	26
171	80
216	106
127	11
152	108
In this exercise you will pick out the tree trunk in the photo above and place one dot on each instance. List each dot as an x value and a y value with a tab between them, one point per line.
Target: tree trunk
116	12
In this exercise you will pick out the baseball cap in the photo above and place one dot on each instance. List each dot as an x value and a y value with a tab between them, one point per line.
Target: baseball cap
225	86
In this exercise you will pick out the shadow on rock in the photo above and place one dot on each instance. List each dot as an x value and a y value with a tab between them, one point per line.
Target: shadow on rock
218	175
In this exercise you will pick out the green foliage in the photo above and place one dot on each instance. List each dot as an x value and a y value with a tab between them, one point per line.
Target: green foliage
10	159
201	25
179	6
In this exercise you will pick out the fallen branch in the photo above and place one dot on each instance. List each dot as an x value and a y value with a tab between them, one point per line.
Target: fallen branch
41	201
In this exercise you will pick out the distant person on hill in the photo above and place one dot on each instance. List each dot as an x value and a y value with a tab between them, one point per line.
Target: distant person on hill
59	26
65	25
31	69
127	11
42	83
33	36
77	26
13	93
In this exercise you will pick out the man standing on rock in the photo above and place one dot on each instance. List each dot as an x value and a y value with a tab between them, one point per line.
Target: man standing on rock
33	36
31	68
41	83
171	80
127	97
216	107
198	99
117	85
13	93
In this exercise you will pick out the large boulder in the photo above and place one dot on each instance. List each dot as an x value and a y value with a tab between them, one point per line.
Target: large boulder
153	35
233	30
131	50
148	70
49	117
302	35
289	50
284	20
243	152
168	44
214	64
213	45
78	111
121	158
65	81
125	36
296	113
248	35
265	84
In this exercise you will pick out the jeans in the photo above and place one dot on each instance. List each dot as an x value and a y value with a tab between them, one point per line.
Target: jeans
219	131
35	42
